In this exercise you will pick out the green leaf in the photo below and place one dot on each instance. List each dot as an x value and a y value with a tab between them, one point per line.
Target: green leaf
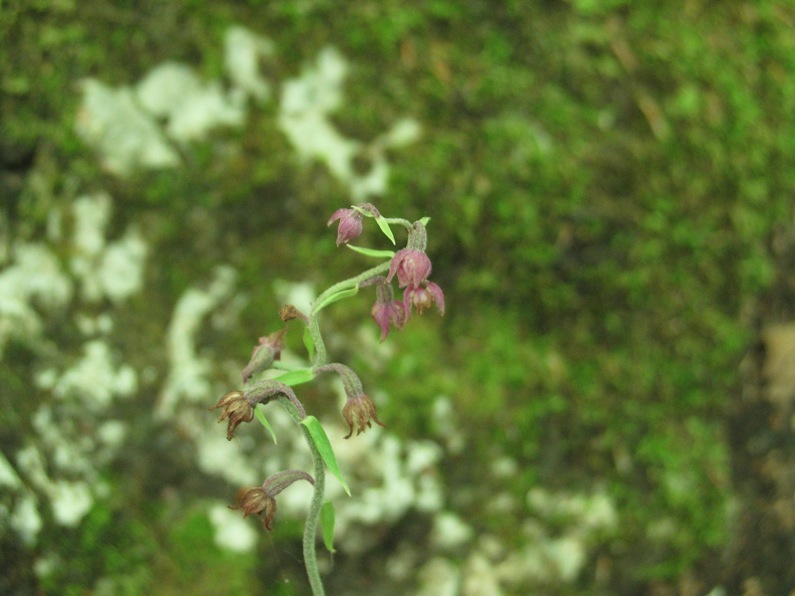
320	439
365	212
342	294
309	343
371	252
424	221
327	525
296	377
382	223
261	417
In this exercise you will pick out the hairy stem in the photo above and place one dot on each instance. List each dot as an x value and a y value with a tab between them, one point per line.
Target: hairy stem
320	348
398	221
313	517
350	283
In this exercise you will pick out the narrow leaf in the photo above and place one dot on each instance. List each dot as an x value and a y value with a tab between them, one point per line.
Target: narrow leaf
261	417
342	294
382	223
365	212
327	525
424	221
320	439
371	252
309	343
296	377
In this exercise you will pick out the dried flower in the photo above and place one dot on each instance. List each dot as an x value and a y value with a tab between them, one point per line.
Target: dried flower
350	226
256	501
237	408
260	500
423	297
263	355
288	312
359	413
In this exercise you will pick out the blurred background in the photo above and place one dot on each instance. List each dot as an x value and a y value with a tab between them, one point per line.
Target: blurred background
607	405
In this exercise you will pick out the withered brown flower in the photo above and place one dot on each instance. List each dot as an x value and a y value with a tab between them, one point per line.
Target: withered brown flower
260	500
359	412
256	501
236	408
265	352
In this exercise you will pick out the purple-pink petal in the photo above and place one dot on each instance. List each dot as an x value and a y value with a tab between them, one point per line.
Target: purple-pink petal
437	295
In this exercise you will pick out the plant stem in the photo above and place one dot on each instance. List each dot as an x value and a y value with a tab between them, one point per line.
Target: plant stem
350	283
398	221
312	518
320	348
321	357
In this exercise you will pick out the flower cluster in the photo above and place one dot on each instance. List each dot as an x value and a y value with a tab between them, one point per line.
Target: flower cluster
412	267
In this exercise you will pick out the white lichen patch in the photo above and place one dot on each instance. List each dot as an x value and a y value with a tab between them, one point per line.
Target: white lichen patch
113	270
94	380
389	479
123	133
124	124
191	107
450	531
70	501
480	577
26	520
308	101
121	271
188	376
34	284
243	51
546	555
439	577
8	476
232	532
222	458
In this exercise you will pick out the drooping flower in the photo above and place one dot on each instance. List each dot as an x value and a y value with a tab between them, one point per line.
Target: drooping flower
237	408
350	225
261	501
386	309
359	409
385	314
423	297
359	413
255	501
412	267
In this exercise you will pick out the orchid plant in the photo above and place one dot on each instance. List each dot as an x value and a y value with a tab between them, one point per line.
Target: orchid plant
410	267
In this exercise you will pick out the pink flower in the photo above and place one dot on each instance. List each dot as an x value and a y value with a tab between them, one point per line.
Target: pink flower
423	297
350	226
385	313
412	267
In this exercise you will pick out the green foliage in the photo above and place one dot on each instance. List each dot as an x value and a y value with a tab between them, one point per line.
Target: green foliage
320	439
605	178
